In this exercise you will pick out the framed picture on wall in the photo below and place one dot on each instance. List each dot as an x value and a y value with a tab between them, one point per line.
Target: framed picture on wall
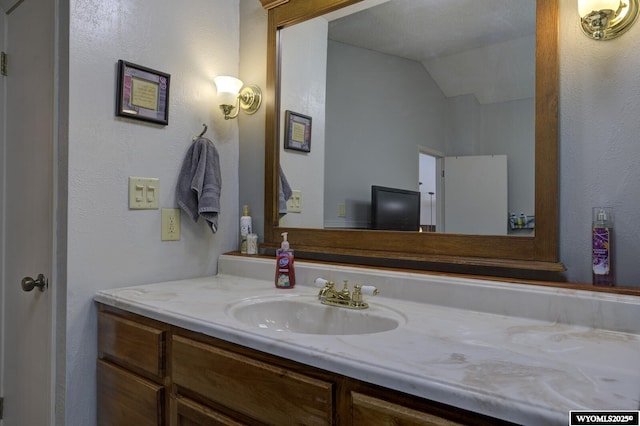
142	93
297	131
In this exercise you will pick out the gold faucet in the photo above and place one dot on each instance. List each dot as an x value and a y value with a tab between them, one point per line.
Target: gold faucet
329	295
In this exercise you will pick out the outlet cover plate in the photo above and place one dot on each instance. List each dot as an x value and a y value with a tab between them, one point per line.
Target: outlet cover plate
170	224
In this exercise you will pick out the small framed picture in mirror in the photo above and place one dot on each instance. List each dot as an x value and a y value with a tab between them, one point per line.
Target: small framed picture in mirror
297	131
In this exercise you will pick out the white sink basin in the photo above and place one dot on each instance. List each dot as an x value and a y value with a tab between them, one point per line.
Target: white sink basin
305	314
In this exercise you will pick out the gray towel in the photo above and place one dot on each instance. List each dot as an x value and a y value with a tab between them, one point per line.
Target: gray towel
284	193
199	182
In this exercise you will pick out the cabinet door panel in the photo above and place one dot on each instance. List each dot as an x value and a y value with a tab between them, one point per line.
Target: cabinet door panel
126	399
367	410
132	343
256	389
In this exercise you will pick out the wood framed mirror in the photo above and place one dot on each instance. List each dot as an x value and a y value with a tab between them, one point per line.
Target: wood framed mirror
426	250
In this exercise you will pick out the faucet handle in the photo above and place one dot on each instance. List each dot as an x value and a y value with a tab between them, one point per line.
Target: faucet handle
358	291
369	290
327	286
320	282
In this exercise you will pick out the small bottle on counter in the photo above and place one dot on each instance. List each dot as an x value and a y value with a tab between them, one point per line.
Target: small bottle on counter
602	247
252	243
285	273
245	228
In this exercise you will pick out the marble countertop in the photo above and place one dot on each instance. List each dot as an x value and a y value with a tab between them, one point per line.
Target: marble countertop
528	371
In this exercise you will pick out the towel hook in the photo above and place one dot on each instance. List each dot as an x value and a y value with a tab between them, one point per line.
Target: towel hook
201	133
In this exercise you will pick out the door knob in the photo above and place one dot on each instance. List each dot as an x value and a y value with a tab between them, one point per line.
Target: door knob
29	283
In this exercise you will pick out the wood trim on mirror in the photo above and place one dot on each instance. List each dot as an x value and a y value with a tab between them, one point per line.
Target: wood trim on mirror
270	4
424	250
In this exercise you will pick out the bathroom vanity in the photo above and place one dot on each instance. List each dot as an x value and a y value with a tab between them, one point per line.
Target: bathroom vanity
459	350
150	371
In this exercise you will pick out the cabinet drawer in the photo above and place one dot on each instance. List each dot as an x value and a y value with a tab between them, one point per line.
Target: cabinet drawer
190	413
264	392
367	410
133	344
127	399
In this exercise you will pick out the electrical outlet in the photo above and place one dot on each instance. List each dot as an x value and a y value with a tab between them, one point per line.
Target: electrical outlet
294	204
170	224
342	210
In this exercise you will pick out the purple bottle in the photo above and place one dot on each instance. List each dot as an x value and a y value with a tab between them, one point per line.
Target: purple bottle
602	247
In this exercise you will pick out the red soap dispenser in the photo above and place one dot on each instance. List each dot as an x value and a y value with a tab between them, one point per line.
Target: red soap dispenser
285	274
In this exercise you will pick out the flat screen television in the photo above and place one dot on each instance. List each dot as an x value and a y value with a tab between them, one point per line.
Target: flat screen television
395	209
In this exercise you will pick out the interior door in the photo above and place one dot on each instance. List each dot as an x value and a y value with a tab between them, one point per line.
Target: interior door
28	140
475	195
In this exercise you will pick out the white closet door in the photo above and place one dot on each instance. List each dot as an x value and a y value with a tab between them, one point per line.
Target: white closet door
475	195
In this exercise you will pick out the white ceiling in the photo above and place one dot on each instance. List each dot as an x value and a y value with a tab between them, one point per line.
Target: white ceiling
424	29
446	36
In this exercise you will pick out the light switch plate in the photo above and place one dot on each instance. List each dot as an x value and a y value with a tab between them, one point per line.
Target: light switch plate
294	204
143	193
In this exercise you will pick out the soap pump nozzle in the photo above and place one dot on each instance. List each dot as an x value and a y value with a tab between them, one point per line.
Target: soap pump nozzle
285	244
602	215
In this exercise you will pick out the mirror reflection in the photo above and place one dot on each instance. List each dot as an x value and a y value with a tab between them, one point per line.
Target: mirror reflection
434	98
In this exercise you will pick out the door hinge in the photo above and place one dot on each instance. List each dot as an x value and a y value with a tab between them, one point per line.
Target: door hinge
1	408
3	63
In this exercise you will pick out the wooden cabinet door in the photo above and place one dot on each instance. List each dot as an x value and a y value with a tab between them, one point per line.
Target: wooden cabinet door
187	412
126	399
132	344
367	410
256	389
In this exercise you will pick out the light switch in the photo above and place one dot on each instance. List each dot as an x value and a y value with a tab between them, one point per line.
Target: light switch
143	193
151	194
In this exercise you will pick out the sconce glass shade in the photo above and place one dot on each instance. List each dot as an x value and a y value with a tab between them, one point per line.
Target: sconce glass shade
607	19
231	95
228	88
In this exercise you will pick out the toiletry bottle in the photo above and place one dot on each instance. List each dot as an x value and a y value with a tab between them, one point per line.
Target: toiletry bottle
252	243
245	228
522	220
285	274
601	247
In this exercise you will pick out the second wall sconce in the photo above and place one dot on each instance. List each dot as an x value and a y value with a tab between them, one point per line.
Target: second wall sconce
233	96
607	19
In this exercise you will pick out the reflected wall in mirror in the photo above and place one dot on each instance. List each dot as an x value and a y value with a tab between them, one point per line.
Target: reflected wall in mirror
303	83
387	83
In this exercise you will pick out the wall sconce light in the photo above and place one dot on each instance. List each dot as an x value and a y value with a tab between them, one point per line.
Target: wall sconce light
232	96
607	19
